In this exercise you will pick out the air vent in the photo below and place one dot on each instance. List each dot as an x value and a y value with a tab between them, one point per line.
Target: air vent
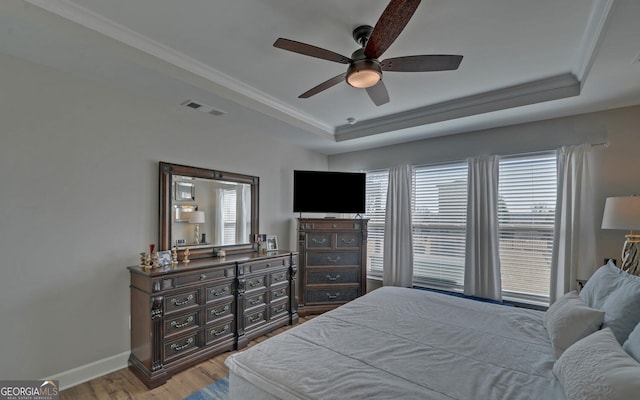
202	107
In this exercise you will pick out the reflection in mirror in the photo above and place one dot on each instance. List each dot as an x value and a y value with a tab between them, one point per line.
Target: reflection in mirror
220	207
227	211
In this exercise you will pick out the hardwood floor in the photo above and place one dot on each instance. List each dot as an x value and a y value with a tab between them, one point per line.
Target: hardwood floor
122	384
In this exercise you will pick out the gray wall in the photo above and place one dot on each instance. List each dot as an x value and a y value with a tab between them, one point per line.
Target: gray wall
615	169
79	201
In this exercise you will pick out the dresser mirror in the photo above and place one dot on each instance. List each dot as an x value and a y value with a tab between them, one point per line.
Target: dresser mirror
207	210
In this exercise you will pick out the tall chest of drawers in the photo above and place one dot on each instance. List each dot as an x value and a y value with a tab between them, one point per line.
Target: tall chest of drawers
332	262
181	316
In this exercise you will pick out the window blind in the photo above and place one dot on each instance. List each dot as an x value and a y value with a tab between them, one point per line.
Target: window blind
526	213
376	202
229	216
439	224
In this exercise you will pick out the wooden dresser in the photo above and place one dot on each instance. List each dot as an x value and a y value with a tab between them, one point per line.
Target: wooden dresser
181	316
332	264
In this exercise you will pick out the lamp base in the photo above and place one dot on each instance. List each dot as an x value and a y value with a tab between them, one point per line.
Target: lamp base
197	234
630	253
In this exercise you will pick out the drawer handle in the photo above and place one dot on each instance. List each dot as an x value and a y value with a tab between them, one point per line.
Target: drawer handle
203	277
255	318
350	241
175	324
178	347
181	303
279	293
278	277
222	332
217	313
217	293
253	302
332	296
322	241
279	309
333	260
255	283
333	278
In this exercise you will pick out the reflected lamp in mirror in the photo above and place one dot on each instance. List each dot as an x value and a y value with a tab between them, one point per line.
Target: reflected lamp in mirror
623	213
197	218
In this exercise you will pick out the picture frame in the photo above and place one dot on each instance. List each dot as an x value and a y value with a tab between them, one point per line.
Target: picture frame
185	191
164	258
272	242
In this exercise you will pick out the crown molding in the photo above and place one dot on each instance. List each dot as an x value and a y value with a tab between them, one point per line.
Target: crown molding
537	91
239	91
592	37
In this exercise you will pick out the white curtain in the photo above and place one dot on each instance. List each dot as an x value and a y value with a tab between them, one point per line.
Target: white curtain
243	213
398	240
218	218
574	235
482	258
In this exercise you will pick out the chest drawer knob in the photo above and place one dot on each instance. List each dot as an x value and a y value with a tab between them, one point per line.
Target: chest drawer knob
319	241
183	302
333	278
333	260
255	283
179	347
216	293
221	331
255	301
179	325
332	296
203	277
217	313
255	318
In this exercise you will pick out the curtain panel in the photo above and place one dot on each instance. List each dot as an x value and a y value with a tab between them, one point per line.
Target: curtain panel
398	238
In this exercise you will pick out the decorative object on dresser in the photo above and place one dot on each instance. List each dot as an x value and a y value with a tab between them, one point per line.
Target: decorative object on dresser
623	213
333	254
213	297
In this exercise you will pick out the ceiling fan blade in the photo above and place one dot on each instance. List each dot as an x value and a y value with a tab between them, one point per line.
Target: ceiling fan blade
392	21
323	86
434	62
378	93
309	50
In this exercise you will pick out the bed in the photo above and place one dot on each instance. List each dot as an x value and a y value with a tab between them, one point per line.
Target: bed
399	343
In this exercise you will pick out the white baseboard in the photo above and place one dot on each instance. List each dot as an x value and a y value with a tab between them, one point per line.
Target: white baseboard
90	371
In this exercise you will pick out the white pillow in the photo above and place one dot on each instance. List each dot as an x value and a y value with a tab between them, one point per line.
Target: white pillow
601	284
622	307
597	368
569	320
632	344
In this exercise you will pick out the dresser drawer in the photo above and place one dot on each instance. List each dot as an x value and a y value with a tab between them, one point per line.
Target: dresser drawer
278	309
255	300
181	323
217	312
203	276
333	258
255	317
181	301
338	295
180	347
219	292
332	276
279	278
332	225
319	240
348	239
220	331
249	268
279	293
256	283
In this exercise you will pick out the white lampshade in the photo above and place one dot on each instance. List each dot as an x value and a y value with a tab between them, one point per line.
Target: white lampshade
196	217
622	213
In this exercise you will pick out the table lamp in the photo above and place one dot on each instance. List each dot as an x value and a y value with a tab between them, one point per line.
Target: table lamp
197	218
623	213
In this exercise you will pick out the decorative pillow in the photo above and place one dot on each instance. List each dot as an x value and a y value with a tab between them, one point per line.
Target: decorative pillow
569	320
622	307
597	368
632	345
601	284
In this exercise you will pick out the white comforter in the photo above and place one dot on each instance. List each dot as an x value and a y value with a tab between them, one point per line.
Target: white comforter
397	343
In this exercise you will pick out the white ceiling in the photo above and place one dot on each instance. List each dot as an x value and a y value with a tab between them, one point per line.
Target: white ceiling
523	60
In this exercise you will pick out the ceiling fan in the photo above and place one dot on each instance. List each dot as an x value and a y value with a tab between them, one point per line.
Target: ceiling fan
365	70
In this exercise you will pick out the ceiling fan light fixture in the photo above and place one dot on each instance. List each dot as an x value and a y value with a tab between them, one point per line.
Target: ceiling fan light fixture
363	74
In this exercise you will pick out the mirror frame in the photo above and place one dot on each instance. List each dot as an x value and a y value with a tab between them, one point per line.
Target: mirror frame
167	171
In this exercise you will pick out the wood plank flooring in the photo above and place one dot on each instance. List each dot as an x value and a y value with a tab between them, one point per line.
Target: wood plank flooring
123	385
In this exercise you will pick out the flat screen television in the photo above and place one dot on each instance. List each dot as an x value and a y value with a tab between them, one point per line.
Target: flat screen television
329	192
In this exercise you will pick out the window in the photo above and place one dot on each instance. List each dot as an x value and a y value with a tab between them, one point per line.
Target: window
526	213
376	194
229	216
439	224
